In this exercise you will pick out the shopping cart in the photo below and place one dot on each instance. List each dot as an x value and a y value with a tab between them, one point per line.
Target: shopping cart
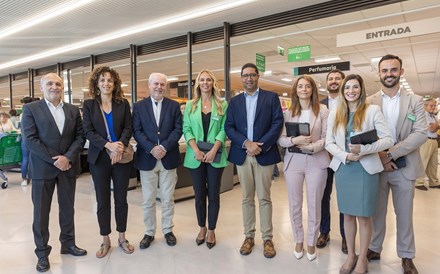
10	155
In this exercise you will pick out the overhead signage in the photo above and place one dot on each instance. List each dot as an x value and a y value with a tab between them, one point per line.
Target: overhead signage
322	68
397	31
260	62
280	51
301	53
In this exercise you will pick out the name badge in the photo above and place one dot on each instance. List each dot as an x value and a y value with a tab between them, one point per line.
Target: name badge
216	118
411	117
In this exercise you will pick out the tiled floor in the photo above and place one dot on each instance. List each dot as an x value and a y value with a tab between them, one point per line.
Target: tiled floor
17	256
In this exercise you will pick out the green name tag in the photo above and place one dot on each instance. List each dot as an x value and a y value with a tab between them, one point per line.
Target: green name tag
411	117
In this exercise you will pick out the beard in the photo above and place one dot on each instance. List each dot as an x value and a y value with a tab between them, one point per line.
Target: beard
333	91
395	81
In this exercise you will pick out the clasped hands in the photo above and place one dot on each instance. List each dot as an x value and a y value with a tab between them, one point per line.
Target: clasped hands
158	152
354	152
116	150
253	148
207	157
303	142
62	162
388	164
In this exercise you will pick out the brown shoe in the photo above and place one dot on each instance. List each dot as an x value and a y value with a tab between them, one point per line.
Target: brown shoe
344	248
424	188
246	247
372	256
269	249
408	266
322	241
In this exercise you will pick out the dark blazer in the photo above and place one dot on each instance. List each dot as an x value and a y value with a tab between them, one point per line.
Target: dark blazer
146	133
44	141
95	130
267	127
324	101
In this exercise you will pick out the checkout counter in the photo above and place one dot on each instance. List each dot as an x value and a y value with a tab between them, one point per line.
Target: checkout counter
184	189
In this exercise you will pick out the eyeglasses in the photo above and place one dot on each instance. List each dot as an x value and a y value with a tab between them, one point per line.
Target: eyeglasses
252	75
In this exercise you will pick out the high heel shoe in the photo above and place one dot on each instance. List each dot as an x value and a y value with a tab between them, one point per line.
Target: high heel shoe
348	271
201	241
210	244
298	255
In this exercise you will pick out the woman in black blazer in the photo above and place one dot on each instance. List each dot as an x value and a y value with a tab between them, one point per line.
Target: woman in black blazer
104	155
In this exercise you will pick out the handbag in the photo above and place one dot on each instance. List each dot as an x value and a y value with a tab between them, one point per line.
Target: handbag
127	155
205	147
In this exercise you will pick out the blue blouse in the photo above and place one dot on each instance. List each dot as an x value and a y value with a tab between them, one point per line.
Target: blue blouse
109	119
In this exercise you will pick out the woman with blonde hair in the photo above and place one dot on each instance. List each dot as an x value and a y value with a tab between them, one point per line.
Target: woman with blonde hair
356	166
306	164
203	128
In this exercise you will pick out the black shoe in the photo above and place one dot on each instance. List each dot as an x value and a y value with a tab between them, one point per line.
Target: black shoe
43	264
74	250
146	241
170	238
322	241
424	188
438	187
372	256
344	248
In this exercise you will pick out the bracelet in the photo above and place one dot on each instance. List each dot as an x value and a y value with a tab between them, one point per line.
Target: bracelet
291	140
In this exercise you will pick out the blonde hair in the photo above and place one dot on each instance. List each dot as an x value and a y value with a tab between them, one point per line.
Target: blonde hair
295	108
342	111
215	92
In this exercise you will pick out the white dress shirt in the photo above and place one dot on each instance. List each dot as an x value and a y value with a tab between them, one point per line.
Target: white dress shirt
390	108
57	114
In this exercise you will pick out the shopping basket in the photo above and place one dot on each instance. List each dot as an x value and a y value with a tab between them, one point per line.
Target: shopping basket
10	154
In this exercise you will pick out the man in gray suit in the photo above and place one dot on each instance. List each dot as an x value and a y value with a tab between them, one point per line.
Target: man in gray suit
404	112
53	134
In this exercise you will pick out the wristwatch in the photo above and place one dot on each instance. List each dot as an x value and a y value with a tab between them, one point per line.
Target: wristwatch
389	155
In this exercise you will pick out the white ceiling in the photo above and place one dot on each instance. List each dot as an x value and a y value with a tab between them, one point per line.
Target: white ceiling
420	54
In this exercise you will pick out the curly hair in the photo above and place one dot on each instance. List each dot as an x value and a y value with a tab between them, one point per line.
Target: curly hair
117	94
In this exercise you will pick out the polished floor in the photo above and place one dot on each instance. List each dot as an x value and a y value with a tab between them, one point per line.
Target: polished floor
17	256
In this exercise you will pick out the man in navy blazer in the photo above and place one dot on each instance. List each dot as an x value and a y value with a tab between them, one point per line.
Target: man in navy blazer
253	123
53	133
157	127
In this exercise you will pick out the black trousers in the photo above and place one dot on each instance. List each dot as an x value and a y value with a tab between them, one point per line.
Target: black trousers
42	193
325	207
206	183
103	172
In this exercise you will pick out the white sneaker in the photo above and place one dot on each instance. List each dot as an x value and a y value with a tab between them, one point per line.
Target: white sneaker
24	182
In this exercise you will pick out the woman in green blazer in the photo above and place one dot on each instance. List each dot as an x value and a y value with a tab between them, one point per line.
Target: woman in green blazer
204	121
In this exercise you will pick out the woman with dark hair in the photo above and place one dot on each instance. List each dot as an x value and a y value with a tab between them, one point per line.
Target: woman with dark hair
204	120
306	164
356	166
108	126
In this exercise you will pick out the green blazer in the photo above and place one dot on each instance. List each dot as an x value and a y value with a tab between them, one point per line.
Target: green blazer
193	129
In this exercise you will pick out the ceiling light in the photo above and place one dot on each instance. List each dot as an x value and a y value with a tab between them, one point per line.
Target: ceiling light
375	61
286	79
85	89
124	85
236	71
285	94
268	73
44	16
327	59
172	78
130	31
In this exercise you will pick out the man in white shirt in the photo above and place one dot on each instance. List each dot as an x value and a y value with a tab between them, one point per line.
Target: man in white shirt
53	133
405	115
429	150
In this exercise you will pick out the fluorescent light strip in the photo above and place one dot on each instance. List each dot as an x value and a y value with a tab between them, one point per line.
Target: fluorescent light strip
44	16
127	32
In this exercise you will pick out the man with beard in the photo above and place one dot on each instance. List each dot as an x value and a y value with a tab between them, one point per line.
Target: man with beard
405	114
253	123
334	80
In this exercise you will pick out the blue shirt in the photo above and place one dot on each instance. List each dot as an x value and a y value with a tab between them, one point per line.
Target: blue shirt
109	119
251	108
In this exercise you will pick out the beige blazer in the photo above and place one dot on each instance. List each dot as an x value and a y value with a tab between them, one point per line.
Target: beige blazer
410	135
318	129
370	161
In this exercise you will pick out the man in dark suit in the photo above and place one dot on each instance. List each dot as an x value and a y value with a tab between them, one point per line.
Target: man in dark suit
53	134
157	127
334	81
253	123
